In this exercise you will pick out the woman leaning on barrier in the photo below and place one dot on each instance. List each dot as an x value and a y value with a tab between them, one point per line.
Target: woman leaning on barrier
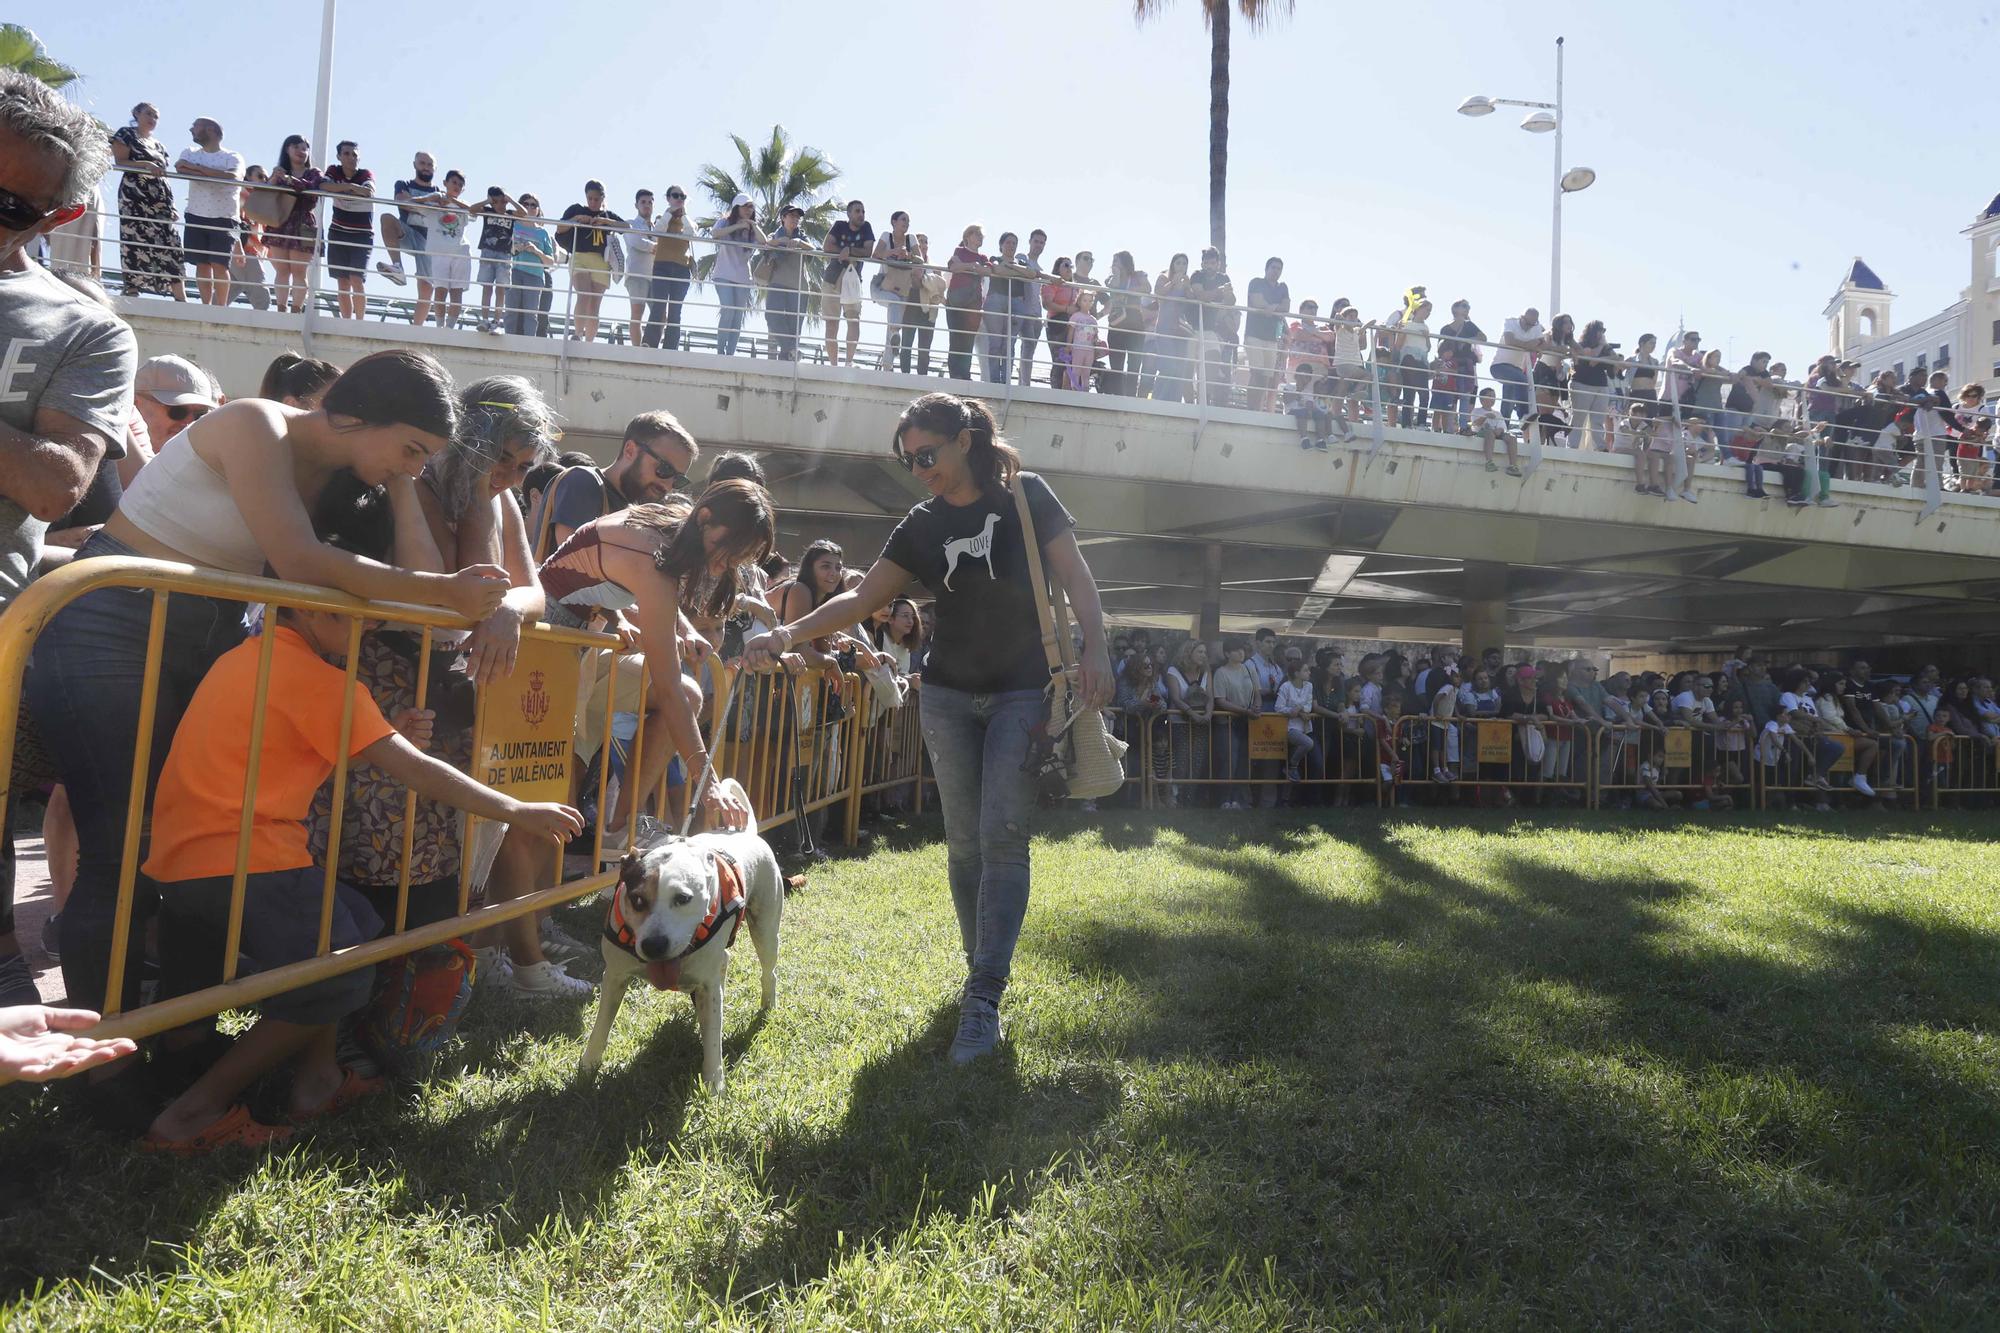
235	491
466	494
984	680
149	250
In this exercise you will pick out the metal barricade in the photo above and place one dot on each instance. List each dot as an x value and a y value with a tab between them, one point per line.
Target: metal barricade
1230	760
1966	771
1503	761
1690	764
826	771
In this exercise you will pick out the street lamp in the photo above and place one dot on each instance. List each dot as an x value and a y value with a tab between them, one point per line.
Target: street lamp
1544	118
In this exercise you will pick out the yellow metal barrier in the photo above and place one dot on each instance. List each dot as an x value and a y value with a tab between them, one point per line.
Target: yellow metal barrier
1966	770
1500	760
791	756
1239	756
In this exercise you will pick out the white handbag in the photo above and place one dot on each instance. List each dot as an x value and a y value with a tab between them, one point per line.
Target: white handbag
1093	759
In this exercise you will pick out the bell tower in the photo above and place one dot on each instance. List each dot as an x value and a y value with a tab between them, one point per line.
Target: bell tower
1859	311
1982	300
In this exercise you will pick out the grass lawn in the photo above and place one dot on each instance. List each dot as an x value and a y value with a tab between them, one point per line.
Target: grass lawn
1583	1070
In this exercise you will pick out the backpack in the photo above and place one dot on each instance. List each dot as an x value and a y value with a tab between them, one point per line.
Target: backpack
417	1002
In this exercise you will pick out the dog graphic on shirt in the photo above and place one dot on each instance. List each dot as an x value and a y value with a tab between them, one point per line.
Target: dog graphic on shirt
972	548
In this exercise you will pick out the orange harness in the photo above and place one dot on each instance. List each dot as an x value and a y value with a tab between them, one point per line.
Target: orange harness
728	909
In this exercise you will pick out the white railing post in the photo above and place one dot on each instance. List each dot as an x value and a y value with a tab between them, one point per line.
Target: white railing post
322	116
1375	387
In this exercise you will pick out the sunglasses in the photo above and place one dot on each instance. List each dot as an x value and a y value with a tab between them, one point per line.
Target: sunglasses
187	412
926	457
17	214
675	194
662	469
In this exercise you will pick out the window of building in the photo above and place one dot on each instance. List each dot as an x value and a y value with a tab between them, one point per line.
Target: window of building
1944	356
1898	368
1922	362
1996	333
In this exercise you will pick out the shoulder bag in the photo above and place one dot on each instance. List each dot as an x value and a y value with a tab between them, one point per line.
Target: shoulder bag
1092	759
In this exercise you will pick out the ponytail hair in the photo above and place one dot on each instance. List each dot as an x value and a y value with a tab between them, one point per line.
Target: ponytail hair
297	377
993	461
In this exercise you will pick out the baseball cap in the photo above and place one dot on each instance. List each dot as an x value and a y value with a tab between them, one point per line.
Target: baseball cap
176	382
739	201
1525	673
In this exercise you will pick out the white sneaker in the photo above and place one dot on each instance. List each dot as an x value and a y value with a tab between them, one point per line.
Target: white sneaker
491	964
1388	774
557	940
1688	495
545	979
1860	784
393	272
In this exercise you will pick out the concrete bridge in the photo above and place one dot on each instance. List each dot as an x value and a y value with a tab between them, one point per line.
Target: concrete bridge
1205	516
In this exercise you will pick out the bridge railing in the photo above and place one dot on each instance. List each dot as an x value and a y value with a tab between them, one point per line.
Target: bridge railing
1172	348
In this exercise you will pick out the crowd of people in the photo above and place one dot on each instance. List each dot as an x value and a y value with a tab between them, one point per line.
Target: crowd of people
1171	337
1405	727
386	481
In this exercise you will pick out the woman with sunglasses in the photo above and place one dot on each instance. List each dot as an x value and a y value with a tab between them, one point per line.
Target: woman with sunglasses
985	676
294	241
249	487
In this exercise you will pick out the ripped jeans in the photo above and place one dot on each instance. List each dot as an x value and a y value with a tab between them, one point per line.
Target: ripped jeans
978	744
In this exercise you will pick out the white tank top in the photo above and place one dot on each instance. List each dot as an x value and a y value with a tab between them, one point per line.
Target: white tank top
182	502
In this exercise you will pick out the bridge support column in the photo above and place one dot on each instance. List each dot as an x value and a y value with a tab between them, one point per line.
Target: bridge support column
1485	607
1208	627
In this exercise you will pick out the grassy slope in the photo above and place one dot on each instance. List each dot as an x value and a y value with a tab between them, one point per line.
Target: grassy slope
1587	1071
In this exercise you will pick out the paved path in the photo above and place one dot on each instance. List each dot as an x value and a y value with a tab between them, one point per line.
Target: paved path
34	899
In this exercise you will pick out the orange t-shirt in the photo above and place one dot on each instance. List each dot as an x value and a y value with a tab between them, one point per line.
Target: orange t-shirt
199	809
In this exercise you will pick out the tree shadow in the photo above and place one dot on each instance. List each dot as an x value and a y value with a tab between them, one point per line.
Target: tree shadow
919	1137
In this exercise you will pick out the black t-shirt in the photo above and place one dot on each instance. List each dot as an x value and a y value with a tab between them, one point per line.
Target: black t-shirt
418	219
1455	344
1588	370
1741	399
974	562
583	239
1222	320
1268	327
496	232
1513	705
846	237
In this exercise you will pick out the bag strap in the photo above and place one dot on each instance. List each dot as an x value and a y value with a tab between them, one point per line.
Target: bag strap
1053	646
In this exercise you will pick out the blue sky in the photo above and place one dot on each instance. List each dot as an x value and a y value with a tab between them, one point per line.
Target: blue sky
1745	153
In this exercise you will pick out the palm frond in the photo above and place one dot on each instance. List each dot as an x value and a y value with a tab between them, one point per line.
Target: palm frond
22	50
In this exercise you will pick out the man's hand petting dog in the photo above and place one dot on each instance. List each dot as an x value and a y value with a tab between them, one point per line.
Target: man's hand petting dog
724	807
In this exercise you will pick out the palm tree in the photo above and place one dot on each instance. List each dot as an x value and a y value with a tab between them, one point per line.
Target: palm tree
1218	15
21	50
775	175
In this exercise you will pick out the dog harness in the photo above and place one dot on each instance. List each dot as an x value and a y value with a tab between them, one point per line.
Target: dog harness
727	909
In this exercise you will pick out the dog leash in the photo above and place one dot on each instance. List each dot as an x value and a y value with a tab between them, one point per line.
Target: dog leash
708	769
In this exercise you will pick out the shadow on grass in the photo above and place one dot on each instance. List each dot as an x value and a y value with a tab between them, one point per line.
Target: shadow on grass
919	1137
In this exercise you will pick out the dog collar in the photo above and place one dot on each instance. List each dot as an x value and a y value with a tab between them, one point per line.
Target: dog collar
726	909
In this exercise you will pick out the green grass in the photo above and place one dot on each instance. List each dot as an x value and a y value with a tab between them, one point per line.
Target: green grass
1497	1073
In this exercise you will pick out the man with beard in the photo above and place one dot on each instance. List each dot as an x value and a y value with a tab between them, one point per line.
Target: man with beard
409	228
655	458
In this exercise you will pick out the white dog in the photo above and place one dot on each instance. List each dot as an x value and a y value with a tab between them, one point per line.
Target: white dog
674	916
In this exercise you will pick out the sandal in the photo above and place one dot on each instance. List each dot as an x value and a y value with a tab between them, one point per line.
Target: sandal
235	1129
354	1085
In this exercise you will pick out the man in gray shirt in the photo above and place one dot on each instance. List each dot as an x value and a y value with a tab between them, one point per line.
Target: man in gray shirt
66	366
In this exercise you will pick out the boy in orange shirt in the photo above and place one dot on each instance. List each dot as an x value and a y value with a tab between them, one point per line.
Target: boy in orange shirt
197	816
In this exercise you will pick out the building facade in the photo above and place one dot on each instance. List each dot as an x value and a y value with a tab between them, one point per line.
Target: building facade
1962	339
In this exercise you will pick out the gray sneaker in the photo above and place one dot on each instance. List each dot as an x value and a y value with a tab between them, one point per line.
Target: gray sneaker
978	1031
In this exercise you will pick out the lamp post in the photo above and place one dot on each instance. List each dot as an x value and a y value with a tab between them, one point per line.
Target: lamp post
1544	118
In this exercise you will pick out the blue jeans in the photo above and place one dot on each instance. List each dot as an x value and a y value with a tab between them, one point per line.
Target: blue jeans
1513	391
524	302
978	745
781	316
735	305
996	332
663	304
83	686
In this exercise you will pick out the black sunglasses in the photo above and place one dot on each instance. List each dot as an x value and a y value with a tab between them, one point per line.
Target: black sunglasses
17	214
187	412
675	194
925	458
662	469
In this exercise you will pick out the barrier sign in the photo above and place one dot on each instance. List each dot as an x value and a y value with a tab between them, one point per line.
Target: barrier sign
1267	737
1680	747
526	723
1496	743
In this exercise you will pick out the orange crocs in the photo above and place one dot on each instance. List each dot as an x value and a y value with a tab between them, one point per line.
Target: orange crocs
234	1130
353	1087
